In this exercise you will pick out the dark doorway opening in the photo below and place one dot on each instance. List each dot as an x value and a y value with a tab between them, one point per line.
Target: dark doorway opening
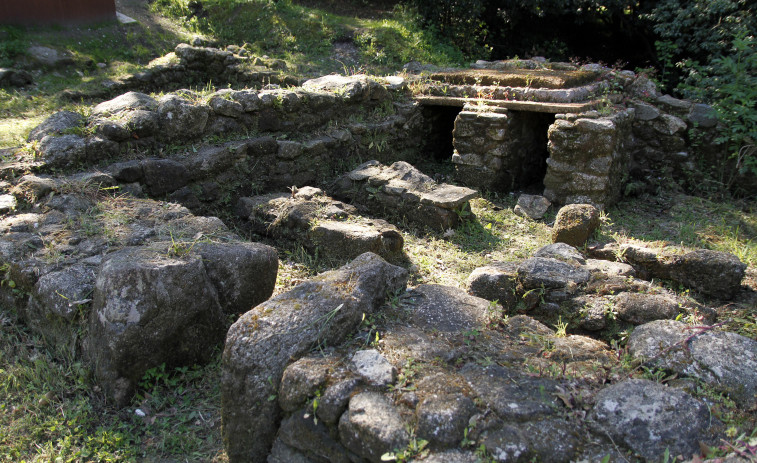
440	122
528	131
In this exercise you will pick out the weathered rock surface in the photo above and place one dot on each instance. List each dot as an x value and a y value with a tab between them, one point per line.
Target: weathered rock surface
496	282
563	252
643	308
547	440
714	273
57	124
405	190
447	309
353	88
373	367
513	396
638	414
532	206
575	223
301	380
442	418
150	309
243	274
321	223
180	118
60	303
372	427
726	361
549	273
263	340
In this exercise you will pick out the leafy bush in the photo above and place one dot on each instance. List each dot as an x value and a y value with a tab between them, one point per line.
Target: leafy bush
12	44
460	21
729	82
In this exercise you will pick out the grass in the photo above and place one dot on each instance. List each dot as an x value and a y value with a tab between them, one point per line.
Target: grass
496	234
51	411
688	221
119	49
304	36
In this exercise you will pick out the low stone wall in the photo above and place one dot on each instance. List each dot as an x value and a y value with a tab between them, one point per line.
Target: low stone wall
670	136
279	138
197	65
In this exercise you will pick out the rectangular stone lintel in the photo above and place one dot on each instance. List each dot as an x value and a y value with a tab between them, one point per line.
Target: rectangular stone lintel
532	106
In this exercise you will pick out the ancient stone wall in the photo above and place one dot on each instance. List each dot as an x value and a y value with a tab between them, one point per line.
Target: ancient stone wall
276	138
197	65
670	137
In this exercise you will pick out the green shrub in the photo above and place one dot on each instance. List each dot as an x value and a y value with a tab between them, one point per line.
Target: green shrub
12	44
729	83
460	21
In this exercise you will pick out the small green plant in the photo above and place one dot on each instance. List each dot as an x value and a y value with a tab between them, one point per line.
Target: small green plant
181	249
470	336
467	442
561	328
406	376
416	448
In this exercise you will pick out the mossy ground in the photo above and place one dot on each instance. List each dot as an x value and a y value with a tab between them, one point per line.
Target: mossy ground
50	408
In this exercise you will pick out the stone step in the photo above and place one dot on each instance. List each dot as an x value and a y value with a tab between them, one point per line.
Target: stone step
532	106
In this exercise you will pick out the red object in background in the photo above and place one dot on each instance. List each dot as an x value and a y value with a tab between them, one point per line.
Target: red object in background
56	11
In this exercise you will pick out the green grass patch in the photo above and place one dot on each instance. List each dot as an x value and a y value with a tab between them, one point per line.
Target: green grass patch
50	410
493	233
304	36
688	221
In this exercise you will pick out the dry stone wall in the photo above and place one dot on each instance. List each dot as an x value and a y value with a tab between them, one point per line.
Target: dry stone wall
280	138
192	65
494	148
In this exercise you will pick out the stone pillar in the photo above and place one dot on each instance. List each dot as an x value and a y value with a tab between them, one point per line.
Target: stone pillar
589	157
498	149
478	139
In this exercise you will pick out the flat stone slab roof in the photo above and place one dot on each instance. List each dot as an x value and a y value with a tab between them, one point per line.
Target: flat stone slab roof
532	106
535	78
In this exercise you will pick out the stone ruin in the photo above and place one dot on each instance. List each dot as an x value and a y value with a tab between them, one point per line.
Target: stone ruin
149	275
